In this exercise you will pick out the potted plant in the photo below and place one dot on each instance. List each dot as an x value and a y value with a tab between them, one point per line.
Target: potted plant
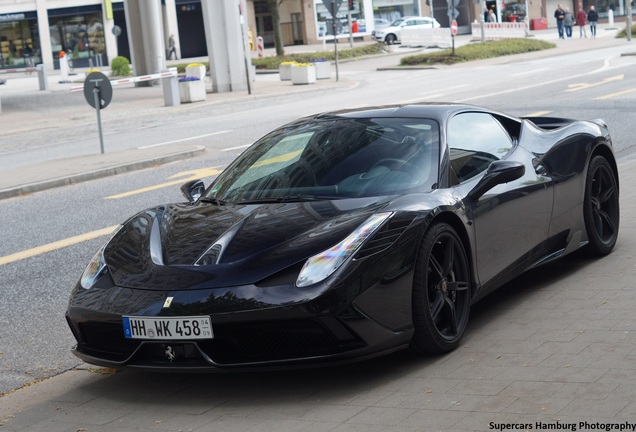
284	70
303	73
323	68
191	89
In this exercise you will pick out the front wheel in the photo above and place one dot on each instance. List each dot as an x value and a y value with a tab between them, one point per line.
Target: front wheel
390	39
601	210
441	291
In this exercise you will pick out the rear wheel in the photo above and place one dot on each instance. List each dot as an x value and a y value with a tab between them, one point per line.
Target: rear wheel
390	39
441	291
601	210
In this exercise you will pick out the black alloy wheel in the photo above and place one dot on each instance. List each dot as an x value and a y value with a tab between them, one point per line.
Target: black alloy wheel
441	291
601	209
391	39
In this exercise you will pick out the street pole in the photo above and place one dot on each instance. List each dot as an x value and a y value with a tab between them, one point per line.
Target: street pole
628	3
335	39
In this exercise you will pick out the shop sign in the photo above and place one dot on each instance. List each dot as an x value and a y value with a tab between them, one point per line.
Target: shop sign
12	17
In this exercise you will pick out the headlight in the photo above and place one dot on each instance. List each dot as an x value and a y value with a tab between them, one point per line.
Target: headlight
94	270
321	266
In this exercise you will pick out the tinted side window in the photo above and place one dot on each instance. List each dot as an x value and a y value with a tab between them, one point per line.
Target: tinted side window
475	140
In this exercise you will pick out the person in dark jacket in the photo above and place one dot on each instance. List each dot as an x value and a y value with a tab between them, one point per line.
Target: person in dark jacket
559	14
592	18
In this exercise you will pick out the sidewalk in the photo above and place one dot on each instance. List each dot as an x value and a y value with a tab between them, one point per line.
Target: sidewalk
47	110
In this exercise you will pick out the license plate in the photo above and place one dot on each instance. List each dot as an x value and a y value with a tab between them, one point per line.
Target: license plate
168	328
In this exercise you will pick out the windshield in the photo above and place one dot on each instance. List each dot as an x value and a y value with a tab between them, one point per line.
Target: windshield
397	22
332	159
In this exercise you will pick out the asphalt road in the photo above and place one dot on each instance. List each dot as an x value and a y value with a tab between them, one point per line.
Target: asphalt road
35	341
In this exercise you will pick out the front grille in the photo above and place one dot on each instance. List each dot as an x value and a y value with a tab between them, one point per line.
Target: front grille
252	342
107	339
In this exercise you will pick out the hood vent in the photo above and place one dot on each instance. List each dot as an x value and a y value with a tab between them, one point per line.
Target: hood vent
384	238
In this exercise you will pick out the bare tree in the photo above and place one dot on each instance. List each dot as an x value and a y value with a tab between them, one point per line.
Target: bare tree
278	37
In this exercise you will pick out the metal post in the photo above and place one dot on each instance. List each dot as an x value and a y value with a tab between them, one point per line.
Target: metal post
629	20
99	118
335	38
42	79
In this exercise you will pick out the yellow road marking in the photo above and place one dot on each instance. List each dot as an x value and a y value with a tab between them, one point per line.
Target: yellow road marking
582	86
282	158
183	177
538	114
57	245
609	96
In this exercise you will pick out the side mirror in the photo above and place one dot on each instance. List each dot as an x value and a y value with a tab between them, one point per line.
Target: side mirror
193	190
498	172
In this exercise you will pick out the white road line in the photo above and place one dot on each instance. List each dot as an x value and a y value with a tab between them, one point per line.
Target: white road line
529	72
235	148
183	139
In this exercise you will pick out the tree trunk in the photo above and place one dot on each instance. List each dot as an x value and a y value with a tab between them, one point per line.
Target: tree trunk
278	37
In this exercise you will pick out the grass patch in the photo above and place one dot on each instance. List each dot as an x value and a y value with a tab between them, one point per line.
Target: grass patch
478	51
272	63
623	32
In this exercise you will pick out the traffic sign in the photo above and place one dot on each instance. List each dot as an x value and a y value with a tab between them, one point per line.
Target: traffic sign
333	6
97	81
454	28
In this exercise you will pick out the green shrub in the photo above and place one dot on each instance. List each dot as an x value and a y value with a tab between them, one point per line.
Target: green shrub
272	63
478	51
120	66
623	32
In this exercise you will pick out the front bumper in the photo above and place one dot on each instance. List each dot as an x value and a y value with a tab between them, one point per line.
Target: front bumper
323	329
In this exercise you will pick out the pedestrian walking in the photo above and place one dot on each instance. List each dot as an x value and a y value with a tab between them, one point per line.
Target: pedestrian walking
559	14
568	22
592	18
581	20
172	48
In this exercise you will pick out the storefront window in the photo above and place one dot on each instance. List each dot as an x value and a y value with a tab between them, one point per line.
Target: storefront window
325	22
618	7
19	41
389	10
80	36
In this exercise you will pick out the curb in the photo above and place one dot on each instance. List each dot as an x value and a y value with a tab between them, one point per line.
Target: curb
115	169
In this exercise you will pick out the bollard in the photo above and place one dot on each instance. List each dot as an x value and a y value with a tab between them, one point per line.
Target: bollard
171	89
259	46
42	78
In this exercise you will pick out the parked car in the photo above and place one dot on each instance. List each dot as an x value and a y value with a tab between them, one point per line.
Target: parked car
347	235
391	34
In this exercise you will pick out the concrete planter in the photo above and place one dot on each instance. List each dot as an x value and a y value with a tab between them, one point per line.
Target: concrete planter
303	74
284	71
196	71
323	69
191	91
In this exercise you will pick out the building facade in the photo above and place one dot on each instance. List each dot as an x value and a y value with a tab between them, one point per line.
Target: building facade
93	32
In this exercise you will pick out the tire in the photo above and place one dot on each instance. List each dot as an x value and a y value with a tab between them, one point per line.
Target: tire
441	291
601	211
390	39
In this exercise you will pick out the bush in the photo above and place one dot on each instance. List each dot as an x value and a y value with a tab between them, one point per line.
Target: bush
623	32
120	66
478	51
272	63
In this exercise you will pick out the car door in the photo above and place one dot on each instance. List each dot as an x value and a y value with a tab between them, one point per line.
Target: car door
511	220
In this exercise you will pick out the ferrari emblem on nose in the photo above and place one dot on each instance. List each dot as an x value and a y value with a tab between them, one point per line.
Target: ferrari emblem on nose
168	302
170	353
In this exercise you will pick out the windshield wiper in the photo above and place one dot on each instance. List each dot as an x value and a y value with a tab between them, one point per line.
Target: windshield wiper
288	198
212	200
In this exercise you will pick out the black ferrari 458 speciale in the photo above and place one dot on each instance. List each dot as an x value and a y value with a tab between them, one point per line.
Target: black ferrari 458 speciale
347	235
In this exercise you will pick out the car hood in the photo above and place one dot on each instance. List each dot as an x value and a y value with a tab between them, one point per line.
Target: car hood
233	245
